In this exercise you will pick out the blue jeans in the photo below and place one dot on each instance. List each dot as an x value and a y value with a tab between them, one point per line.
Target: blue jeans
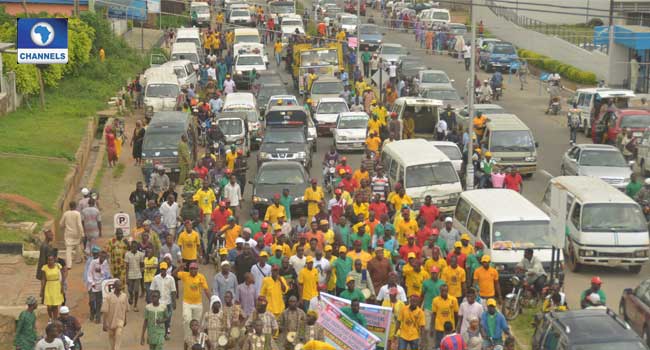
277	58
408	344
169	317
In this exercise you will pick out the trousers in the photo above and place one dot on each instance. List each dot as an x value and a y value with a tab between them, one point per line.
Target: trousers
95	302
115	338
191	312
68	253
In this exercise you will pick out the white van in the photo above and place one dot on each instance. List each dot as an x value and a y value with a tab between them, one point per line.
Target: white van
603	226
247	40
202	11
511	143
507	224
187	51
161	90
184	70
245	102
189	35
585	99
425	111
432	17
423	170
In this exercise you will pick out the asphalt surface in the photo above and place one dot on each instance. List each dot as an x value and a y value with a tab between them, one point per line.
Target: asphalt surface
549	131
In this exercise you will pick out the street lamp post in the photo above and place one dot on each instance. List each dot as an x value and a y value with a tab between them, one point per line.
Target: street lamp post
469	169
358	31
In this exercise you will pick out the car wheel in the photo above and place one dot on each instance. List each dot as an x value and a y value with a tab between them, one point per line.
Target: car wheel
572	261
635	269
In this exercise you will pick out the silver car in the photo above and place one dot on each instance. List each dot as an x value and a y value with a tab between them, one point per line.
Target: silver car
434	79
602	161
392	53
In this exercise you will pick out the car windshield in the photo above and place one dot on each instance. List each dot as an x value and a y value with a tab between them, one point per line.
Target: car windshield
280	176
332	107
230	127
240	13
512	141
320	88
267	91
609	217
442	94
356	122
285	101
391	50
458	29
185	56
430	175
282	7
247	39
292	22
319	57
435	78
161	90
612	158
520	235
450	151
250	61
633	345
349	20
503	50
202	10
180	72
441	16
293	136
369	30
635	121
161	141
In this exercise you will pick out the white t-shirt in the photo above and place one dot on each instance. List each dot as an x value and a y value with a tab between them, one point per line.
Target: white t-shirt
232	193
392	70
56	344
297	263
468	311
169	214
383	293
442	126
165	285
259	273
229	86
322	265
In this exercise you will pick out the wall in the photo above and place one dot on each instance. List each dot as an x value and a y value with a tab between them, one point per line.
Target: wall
553	47
119	26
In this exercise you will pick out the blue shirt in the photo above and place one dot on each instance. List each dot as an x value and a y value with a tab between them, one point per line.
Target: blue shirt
216	104
344	78
501	325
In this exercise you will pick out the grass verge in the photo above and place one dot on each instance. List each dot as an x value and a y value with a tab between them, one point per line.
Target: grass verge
522	329
118	170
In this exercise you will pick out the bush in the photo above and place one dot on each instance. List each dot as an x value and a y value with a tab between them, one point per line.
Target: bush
554	66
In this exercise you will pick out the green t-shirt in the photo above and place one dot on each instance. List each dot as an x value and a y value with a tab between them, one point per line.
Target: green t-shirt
354	294
431	289
358	317
442	244
633	188
344	231
601	294
274	260
365	240
255	226
286	202
365	56
343	266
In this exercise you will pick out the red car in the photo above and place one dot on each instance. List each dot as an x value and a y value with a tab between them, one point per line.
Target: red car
609	124
635	309
351	8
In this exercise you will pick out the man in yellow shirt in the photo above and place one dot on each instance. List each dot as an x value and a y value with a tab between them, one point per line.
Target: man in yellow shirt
190	243
193	283
486	279
455	278
357	253
381	113
274	210
331	282
231	156
219	21
466	248
360	174
396	304
435	260
410	325
340	36
400	198
373	142
273	288
413	279
374	125
277	50
308	282
230	232
313	196
406	227
361	208
444	309
205	198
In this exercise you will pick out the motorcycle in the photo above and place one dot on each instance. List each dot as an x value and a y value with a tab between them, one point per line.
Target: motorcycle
522	295
330	175
555	106
498	92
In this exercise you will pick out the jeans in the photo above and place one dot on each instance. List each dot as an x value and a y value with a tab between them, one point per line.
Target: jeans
572	134
95	302
467	62
408	344
147	297
168	323
277	58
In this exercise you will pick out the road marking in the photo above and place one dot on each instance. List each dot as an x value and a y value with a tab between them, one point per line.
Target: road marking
546	173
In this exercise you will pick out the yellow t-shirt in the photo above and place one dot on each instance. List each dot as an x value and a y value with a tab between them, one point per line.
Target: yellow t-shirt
273	212
485	279
331	285
397	306
272	290
373	143
150	267
189	244
374	125
329	236
286	250
192	287
410	323
467	250
362	208
413	281
231	235
277	47
441	263
230	160
205	200
358	175
362	255
220	18
454	278
313	195
445	311
404	229
398	201
340	36
309	280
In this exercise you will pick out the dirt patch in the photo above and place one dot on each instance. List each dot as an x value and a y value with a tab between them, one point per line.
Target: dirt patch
26	202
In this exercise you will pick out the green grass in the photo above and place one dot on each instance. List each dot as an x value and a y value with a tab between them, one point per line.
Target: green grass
175	21
522	329
37	179
8	235
12	212
118	170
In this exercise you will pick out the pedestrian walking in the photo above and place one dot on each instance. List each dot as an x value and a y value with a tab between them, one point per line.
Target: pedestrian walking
114	310
73	232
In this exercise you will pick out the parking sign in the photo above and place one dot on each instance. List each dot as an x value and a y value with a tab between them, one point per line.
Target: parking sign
122	220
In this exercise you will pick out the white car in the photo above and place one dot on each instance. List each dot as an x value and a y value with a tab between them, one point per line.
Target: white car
202	12
348	22
290	23
244	64
241	17
327	111
350	131
452	151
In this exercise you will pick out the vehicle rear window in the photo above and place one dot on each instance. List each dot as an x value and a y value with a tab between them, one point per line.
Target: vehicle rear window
504	49
635	121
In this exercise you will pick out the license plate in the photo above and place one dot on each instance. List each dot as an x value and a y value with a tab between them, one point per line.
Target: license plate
357	144
614	262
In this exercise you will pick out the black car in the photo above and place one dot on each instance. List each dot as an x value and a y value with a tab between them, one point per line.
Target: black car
273	177
266	91
598	329
285	143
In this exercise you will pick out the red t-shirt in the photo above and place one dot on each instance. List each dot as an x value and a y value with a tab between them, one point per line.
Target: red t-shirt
513	182
268	238
429	213
460	258
220	218
337	209
379	208
423	235
350	185
202	172
406	249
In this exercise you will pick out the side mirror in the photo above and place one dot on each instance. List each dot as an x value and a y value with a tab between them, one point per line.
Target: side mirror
631	164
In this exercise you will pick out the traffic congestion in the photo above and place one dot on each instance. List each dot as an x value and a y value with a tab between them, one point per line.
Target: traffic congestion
298	159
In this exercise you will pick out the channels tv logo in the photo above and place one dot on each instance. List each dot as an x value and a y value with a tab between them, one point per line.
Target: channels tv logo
42	40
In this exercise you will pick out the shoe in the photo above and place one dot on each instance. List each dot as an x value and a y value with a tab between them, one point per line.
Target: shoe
135	309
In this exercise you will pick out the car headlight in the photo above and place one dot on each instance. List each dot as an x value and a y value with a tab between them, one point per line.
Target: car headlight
263	155
584	252
530	159
175	153
641	253
301	154
299	199
500	267
259	199
239	72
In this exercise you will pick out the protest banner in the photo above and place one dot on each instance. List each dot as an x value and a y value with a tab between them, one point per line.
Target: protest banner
343	332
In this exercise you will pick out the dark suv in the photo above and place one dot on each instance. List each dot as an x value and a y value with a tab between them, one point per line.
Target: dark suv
585	330
285	143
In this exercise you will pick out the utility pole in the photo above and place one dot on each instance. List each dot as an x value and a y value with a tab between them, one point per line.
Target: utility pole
469	167
358	36
610	45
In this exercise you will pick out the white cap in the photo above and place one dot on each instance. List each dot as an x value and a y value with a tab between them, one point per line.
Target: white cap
85	191
647	181
239	240
449	219
64	310
225	263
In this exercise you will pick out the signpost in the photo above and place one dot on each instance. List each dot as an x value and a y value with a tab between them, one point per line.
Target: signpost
122	221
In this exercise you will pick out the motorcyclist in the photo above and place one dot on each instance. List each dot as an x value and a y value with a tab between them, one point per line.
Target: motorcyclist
554	89
496	81
215	135
485	93
205	111
532	267
331	155
585	297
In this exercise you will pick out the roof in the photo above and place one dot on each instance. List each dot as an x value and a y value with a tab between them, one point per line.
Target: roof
504	205
198	3
187	32
391	44
182	46
175	63
415	152
332	99
411	100
506	121
591	189
632	111
287	108
168	118
591	146
594	326
608	92
246	31
353	114
160	75
443	143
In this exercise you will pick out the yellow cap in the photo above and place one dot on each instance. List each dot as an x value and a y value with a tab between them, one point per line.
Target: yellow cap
491	302
488	154
279	102
343	249
349	278
277	227
223	251
373	102
465	237
485	258
310	259
264	253
163	266
324	222
458	245
328	248
411	255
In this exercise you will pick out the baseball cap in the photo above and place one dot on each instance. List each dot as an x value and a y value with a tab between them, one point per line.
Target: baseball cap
163	266
324	222
349	278
239	240
310	259
458	245
276	196
478	244
64	310
596	280
411	255
491	302
485	258
225	263
328	248
435	269
449	219
277	227
338	191
265	225
264	253
343	249
465	237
